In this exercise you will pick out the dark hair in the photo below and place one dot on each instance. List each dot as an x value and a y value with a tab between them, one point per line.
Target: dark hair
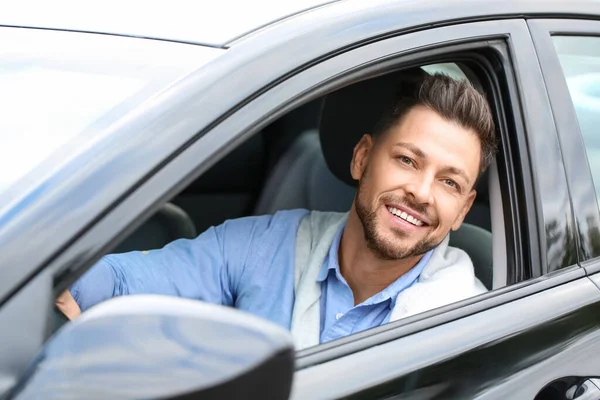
455	100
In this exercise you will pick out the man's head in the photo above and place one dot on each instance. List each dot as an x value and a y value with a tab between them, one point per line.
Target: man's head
418	168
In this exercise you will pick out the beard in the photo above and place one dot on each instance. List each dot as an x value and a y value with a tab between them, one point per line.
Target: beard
383	246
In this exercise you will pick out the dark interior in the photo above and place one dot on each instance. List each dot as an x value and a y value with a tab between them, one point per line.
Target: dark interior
300	161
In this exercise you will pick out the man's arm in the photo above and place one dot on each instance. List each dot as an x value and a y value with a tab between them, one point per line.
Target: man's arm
185	268
67	305
243	262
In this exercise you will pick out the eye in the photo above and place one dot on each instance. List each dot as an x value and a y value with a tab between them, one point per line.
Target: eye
451	183
406	160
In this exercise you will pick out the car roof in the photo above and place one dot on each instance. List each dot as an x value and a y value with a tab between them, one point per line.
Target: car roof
220	22
213	24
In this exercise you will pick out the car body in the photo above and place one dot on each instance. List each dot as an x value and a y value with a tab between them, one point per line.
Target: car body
186	94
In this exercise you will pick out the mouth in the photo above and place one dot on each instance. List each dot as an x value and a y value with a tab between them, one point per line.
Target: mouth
407	217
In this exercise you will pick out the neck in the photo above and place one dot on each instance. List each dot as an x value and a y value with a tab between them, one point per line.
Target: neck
366	273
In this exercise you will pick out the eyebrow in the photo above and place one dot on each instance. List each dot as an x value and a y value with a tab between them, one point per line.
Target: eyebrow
419	153
416	151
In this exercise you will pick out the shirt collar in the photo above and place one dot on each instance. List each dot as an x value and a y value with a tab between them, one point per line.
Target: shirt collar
391	292
331	262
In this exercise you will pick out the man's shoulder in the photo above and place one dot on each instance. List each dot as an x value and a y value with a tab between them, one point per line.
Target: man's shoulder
282	217
277	224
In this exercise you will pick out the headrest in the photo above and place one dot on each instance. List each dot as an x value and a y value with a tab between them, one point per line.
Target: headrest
353	111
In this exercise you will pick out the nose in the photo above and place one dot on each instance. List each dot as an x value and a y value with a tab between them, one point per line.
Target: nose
421	189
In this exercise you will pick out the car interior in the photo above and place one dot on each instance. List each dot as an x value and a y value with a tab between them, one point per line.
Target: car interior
302	160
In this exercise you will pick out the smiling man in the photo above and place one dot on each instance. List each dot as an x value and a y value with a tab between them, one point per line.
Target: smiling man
327	275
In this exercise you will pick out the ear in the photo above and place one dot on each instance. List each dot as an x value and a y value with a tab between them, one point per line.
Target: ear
465	210
360	156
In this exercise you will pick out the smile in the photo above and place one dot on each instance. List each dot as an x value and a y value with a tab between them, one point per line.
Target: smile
403	215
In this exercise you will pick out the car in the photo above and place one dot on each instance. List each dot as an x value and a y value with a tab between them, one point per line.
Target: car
127	126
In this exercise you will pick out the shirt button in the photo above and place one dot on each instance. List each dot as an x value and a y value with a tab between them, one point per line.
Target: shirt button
339	315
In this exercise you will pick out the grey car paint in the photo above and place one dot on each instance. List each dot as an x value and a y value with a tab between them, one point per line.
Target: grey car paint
211	23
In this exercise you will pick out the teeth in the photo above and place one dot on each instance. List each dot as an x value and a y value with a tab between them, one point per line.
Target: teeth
405	216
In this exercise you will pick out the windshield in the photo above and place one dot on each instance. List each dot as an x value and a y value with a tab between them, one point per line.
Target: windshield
56	85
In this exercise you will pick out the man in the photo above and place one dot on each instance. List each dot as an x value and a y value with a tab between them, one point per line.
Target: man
327	275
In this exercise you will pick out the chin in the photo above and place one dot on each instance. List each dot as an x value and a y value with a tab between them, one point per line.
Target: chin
390	247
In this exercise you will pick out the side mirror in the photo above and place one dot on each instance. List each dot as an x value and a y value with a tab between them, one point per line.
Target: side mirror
154	347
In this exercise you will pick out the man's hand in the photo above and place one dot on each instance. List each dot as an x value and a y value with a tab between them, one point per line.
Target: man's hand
67	305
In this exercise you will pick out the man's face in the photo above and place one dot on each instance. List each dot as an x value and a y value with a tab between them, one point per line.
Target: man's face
415	183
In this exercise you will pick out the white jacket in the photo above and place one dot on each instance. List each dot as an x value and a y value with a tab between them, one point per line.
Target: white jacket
448	277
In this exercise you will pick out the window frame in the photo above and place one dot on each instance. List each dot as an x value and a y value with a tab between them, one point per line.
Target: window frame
579	174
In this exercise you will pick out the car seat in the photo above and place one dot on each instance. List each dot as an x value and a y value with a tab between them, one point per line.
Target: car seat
167	224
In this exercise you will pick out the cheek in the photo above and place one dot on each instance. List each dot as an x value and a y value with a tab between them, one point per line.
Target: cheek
448	208
381	179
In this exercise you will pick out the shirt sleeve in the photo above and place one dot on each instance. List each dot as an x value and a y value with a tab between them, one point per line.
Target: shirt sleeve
207	268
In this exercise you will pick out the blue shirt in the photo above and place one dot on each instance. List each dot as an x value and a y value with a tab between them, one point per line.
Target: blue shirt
247	263
339	316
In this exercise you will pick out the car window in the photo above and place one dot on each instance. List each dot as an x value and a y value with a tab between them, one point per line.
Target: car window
580	60
62	109
450	69
289	185
57	85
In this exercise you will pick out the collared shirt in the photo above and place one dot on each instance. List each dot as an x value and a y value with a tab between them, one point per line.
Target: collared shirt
247	263
339	316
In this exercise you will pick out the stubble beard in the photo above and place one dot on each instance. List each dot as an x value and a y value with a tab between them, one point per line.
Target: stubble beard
383	247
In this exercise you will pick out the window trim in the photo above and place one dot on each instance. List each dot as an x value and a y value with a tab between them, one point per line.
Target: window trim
573	147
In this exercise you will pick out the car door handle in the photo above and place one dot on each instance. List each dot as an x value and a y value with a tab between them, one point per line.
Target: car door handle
586	390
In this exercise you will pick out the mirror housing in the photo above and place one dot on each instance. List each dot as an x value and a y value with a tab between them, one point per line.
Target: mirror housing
150	346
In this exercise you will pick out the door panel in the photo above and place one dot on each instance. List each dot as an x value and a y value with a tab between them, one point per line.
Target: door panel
596	279
516	348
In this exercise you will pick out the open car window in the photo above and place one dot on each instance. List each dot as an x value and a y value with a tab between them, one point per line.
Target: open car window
296	177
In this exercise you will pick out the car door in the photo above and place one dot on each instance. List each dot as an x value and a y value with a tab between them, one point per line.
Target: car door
530	338
526	340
